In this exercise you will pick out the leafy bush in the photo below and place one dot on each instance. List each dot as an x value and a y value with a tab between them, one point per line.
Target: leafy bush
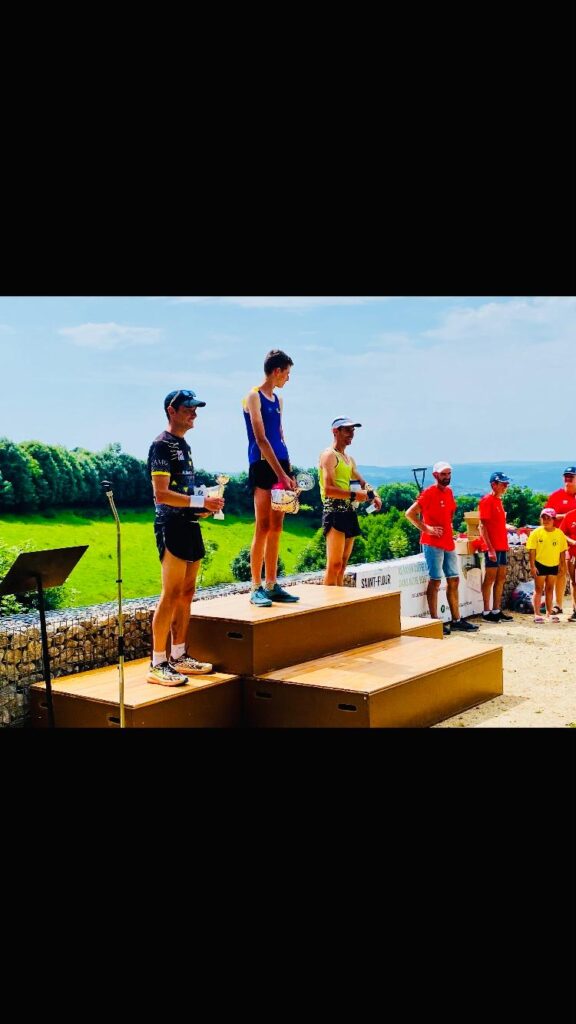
241	566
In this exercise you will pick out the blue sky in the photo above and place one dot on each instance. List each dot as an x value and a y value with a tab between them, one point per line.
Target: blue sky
457	378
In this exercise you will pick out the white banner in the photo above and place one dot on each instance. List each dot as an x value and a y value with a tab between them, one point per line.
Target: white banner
410	576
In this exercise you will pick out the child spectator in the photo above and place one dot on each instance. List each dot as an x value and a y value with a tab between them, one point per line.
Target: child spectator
546	545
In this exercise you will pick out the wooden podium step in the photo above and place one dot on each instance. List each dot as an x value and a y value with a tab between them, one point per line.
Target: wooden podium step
412	625
91	700
235	636
403	682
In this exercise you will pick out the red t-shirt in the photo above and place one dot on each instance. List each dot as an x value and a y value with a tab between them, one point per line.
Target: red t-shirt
568	526
438	507
561	501
492	513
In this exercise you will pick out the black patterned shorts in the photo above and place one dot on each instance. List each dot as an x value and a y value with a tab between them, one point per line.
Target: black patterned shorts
345	520
181	537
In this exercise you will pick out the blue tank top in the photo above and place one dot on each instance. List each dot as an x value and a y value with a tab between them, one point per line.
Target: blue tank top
271	418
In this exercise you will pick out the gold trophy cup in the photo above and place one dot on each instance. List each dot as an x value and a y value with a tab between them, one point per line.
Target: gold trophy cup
221	480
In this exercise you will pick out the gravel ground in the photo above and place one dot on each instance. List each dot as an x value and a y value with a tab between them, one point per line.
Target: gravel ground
539	675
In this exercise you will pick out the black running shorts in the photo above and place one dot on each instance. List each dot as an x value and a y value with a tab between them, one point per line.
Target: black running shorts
344	520
182	537
261	474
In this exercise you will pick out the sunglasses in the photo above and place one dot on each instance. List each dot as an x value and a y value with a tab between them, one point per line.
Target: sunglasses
184	395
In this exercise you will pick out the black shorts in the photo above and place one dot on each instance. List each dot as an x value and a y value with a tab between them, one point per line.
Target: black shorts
493	563
261	474
344	520
181	537
546	570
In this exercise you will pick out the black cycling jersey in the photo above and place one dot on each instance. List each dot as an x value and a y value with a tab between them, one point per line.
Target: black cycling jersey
172	456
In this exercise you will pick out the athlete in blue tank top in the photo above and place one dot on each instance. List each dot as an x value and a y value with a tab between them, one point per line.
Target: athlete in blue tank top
271	412
269	464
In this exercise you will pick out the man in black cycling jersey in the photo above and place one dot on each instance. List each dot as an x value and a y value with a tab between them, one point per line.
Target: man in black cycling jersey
179	539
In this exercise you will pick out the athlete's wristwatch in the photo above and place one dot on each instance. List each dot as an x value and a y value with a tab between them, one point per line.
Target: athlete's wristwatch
370	495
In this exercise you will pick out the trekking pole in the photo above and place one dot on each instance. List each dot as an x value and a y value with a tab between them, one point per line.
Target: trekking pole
108	491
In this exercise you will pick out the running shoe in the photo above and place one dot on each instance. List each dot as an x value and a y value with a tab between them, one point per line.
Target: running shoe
165	675
282	596
463	625
501	617
258	597
189	666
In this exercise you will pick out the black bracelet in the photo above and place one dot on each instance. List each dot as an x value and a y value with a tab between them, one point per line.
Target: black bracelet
370	495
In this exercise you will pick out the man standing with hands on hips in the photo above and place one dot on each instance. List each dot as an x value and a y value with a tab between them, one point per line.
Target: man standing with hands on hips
178	538
432	514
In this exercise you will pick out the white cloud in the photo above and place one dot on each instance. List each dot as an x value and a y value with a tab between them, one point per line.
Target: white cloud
519	321
110	335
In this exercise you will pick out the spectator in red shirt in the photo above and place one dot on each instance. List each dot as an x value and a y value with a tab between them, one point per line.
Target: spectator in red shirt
563	500
432	514
494	531
568	526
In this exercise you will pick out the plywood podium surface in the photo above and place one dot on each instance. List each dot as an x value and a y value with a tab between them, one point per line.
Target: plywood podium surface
91	699
405	681
236	636
413	625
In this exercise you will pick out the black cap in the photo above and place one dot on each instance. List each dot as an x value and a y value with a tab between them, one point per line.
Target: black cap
499	478
183	397
570	470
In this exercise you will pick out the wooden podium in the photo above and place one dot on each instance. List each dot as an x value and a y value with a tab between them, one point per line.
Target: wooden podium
340	657
90	700
235	636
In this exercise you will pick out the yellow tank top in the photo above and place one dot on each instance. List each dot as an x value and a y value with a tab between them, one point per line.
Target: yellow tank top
342	476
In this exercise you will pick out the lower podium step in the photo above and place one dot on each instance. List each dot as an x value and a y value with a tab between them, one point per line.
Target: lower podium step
403	682
412	625
92	700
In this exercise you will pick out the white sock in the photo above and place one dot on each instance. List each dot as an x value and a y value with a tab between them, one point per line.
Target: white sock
486	613
158	657
178	650
496	611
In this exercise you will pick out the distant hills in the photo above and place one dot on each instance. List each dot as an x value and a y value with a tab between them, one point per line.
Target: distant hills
473	477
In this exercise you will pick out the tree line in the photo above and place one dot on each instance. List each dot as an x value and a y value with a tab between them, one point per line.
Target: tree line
36	476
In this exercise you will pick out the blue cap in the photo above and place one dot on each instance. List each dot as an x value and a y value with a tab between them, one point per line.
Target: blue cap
571	470
499	478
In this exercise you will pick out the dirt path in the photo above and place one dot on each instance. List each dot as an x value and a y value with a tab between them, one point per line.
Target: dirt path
539	675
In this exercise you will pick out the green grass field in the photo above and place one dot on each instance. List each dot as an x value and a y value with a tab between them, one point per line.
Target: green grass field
94	578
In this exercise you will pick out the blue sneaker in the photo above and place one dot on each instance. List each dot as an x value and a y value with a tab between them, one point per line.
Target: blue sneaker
282	596
259	598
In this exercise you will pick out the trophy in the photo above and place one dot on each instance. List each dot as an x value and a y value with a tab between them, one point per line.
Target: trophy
221	480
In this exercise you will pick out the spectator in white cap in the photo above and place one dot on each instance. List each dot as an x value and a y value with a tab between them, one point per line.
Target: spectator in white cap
563	501
494	530
341	484
546	545
432	514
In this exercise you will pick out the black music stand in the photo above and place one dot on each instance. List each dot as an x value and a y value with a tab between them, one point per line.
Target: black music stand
36	570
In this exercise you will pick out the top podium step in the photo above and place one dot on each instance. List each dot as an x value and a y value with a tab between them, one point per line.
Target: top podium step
239	637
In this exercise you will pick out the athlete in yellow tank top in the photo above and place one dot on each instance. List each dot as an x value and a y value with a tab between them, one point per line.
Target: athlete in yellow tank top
340	484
